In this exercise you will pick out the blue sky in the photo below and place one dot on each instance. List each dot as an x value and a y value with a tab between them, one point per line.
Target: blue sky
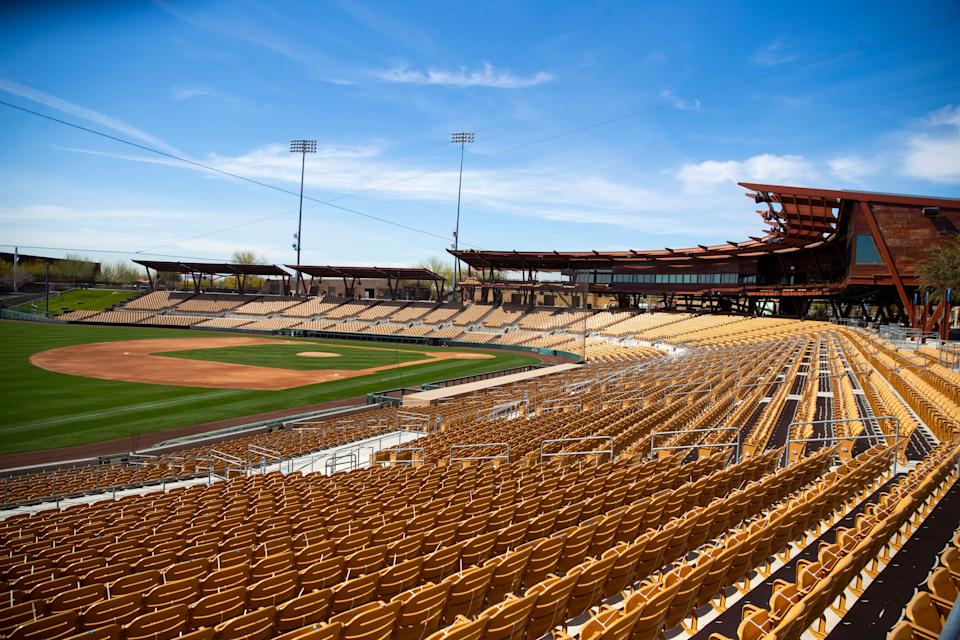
701	95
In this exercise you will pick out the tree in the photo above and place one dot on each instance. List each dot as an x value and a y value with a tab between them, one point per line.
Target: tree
244	256
169	279
443	268
120	272
73	268
26	273
940	270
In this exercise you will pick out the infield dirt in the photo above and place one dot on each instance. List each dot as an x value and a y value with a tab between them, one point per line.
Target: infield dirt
137	361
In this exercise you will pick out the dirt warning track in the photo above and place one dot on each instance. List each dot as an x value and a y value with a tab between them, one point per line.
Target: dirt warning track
137	361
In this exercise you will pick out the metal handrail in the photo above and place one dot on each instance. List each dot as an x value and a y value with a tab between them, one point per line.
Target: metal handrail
275	456
477	446
412	460
708	445
895	435
553	405
609	452
332	461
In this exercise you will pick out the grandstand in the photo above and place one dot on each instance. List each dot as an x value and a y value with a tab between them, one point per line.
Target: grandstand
856	252
710	469
607	500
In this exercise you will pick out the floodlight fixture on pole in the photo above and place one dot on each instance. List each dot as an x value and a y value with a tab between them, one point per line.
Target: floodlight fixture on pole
303	147
462	138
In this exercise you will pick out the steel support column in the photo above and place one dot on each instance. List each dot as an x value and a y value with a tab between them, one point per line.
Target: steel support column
887	258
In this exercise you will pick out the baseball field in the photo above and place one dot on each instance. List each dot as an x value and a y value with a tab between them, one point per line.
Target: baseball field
64	385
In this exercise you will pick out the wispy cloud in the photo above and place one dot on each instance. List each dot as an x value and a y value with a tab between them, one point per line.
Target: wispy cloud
933	147
251	33
486	76
773	53
545	192
703	176
186	93
59	104
677	102
853	169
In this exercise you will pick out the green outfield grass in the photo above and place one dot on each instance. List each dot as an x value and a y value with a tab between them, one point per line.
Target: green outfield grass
43	410
284	356
78	299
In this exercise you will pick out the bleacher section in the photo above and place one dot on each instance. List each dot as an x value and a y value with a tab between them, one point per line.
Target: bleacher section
265	307
212	303
311	308
609	334
747	486
157	300
120	317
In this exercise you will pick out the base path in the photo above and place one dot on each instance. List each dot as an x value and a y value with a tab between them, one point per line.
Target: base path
137	361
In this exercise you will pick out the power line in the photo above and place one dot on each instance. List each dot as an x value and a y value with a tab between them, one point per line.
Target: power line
110	251
668	103
222	229
662	105
207	167
569	132
562	134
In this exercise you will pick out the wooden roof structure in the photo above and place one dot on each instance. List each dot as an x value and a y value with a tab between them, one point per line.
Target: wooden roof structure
796	219
383	273
214	268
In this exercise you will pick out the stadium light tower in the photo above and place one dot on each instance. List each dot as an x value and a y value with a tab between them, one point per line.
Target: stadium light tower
303	147
461	138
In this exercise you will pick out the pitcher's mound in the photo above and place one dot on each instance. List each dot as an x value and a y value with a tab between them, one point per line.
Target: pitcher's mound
318	354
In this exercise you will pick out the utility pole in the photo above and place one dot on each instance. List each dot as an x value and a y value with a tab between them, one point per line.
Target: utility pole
46	299
461	138
303	147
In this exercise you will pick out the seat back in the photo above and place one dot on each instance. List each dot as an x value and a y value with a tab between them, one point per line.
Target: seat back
399	577
375	623
177	592
273	590
210	610
160	624
328	631
59	625
256	625
421	611
309	608
76	599
508	620
116	610
109	632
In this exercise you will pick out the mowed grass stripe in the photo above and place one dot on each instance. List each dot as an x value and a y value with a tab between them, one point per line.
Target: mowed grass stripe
129	408
42	409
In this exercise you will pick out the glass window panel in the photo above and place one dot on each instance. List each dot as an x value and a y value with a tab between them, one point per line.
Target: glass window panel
866	250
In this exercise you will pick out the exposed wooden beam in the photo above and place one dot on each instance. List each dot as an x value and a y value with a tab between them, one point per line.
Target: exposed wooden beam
887	258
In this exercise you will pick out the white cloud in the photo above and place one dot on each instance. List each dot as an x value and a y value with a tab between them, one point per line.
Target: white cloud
487	76
541	191
703	176
853	168
773	53
933	160
680	103
185	93
35	95
944	116
933	148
